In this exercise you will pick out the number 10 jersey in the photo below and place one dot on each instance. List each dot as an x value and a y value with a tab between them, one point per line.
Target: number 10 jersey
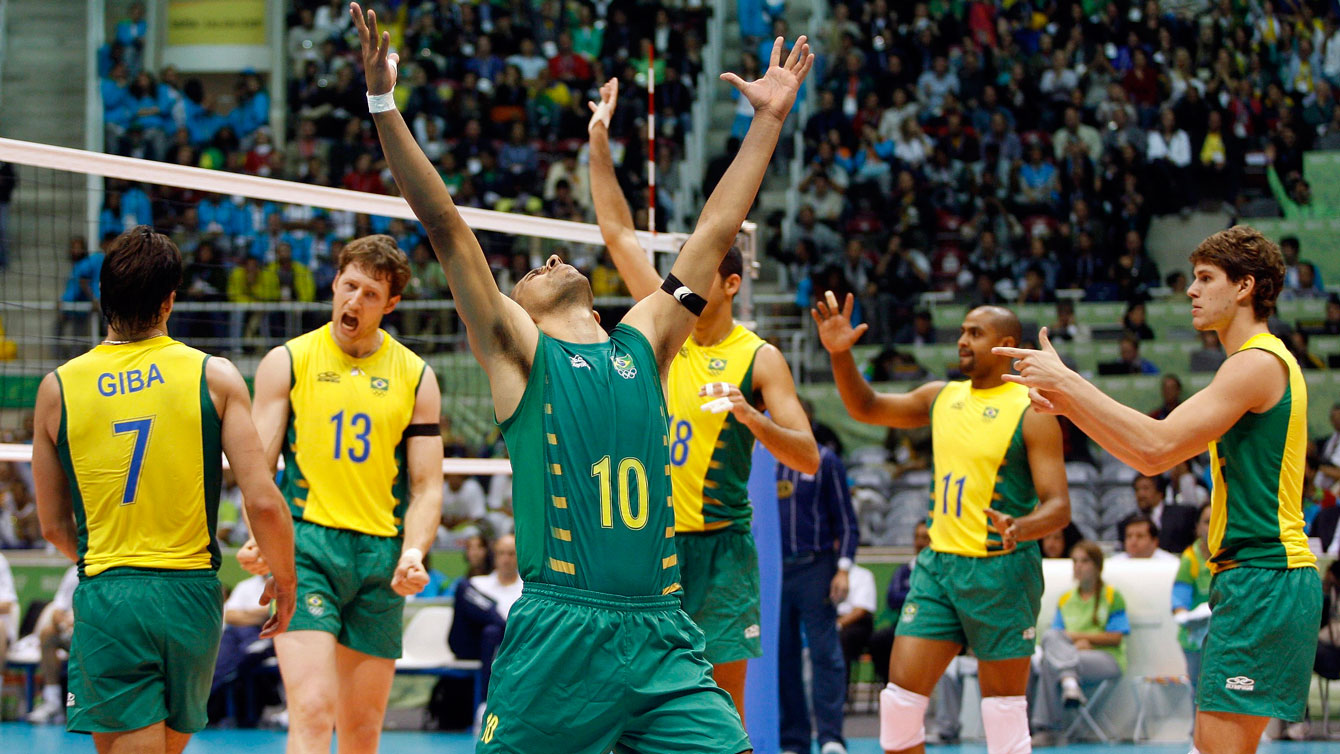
344	447
591	469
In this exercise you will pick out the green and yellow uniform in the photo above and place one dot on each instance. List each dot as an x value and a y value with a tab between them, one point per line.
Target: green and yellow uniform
598	653
1266	596
347	485
1191	589
139	440
710	460
1080	614
965	587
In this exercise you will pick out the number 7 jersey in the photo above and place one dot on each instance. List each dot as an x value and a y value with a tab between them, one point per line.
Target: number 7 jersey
981	462
344	447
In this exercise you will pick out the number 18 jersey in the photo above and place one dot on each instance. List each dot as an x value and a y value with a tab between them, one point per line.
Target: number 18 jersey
591	469
981	462
344	448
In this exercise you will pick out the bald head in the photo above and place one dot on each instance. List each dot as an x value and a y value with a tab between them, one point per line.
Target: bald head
1003	321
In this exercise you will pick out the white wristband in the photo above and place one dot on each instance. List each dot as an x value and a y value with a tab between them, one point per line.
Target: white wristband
416	552
380	103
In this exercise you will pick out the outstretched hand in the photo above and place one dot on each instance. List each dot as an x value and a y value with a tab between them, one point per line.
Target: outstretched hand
609	96
776	91
379	63
835	330
1042	371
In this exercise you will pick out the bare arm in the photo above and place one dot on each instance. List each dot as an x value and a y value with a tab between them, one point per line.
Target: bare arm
271	409
1097	638
55	510
902	411
267	512
1247	381
1046	461
660	317
425	496
616	222
786	434
502	336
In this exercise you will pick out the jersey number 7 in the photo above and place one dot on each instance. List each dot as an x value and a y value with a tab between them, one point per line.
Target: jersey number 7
140	428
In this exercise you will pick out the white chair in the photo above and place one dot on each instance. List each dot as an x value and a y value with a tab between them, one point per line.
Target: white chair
870	455
425	646
1080	472
1116	471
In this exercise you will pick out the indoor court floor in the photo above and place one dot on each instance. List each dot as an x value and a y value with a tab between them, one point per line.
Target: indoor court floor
21	738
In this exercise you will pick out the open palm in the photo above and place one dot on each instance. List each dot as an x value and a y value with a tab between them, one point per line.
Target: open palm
776	91
835	330
379	63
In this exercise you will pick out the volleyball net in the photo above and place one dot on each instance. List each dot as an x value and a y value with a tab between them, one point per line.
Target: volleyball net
259	256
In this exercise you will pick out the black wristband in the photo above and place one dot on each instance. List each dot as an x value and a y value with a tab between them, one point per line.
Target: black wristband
424	429
686	297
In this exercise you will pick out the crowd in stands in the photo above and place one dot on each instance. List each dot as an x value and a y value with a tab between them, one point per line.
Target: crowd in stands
495	93
1005	151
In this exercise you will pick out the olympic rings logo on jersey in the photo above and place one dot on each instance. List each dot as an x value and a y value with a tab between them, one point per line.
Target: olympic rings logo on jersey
624	366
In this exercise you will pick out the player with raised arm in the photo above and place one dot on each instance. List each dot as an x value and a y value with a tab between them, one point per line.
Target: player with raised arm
597	654
999	486
1257	658
127	466
712	440
355	414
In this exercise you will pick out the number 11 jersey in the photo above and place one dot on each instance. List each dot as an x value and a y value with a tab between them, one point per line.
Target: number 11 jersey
344	447
591	469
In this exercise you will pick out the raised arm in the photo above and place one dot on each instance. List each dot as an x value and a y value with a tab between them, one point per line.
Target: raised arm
664	321
502	336
616	222
424	454
903	411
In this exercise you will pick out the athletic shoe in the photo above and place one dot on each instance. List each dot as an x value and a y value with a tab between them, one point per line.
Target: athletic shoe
833	747
1071	694
46	714
1044	738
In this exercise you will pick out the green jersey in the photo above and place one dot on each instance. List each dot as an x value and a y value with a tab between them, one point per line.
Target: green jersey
591	461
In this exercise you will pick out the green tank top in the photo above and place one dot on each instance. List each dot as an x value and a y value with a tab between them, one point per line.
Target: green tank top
591	480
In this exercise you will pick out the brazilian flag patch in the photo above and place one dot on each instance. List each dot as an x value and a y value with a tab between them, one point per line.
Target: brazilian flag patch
381	383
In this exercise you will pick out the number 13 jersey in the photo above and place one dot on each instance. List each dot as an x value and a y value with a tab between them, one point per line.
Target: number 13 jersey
981	462
344	447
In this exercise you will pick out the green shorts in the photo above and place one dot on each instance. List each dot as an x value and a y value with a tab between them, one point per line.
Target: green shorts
988	604
719	574
1258	655
344	588
582	672
143	650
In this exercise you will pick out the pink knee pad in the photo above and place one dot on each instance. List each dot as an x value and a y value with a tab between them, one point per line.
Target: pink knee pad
902	718
1005	721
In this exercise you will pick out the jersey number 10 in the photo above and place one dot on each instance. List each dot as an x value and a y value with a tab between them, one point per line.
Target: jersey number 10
633	512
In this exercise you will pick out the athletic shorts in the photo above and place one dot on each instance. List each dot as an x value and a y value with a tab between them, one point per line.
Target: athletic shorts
143	650
344	588
582	672
1258	655
987	604
719	574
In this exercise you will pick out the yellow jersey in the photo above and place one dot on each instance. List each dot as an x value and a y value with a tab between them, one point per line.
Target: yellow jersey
344	449
139	440
981	462
1256	503
711	454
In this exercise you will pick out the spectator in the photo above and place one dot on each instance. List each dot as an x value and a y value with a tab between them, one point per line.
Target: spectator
816	191
9	608
243	616
1171	390
1298	344
1059	543
1306	287
1066	328
856	616
1140	539
1296	201
936	84
1169	154
1086	643
919	332
1131	361
817	552
1135	322
1191	596
463	501
1039	186
1328	456
482	605
287	280
881	641
81	287
1293	267
1210	354
54	630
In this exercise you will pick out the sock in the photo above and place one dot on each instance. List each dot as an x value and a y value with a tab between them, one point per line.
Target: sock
51	695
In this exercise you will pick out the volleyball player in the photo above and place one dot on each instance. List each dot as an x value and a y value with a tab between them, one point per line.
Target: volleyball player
1257	658
711	451
999	486
126	461
597	653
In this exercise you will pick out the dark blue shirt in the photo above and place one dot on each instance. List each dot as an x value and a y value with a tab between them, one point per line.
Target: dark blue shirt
816	511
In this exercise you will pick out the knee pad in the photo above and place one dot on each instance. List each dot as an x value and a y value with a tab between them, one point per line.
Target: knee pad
902	718
1005	722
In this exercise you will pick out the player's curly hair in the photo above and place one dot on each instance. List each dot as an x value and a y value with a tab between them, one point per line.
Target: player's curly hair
1241	251
378	256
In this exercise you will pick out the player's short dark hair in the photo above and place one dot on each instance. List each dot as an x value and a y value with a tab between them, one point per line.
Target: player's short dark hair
379	256
1141	518
1241	251
1159	481
140	270
732	263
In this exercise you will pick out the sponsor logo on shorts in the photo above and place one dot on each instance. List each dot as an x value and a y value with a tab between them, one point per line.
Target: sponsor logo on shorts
624	366
1030	633
909	611
1240	683
752	632
69	700
327	377
579	363
315	605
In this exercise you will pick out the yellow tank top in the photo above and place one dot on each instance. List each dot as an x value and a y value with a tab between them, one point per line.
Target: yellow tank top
981	462
344	451
140	443
711	454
